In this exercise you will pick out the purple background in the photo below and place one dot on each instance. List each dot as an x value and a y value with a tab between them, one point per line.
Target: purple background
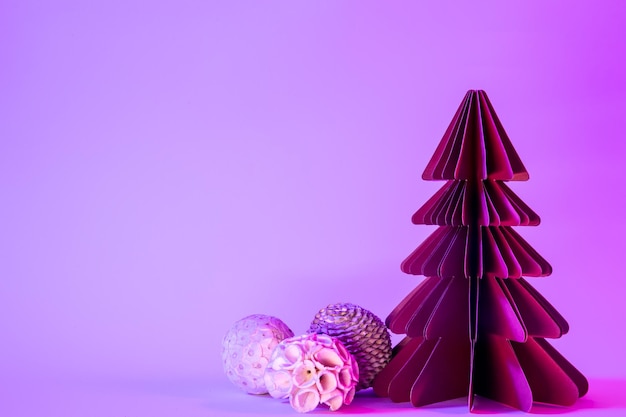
167	168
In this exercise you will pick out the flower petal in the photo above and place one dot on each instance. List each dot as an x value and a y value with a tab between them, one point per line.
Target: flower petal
343	352
328	357
293	353
345	378
355	369
349	396
335	402
278	383
305	374
305	400
326	382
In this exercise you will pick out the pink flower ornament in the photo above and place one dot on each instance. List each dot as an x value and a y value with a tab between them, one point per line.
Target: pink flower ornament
311	370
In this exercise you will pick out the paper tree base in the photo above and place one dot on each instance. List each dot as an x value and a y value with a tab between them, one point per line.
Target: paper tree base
516	374
446	363
474	326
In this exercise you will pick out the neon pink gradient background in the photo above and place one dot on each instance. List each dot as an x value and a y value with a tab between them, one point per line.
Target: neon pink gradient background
167	168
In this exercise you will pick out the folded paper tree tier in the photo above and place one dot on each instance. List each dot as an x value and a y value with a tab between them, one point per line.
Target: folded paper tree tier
510	308
475	145
494	251
488	202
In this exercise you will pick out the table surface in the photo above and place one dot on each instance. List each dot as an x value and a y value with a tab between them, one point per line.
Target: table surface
213	395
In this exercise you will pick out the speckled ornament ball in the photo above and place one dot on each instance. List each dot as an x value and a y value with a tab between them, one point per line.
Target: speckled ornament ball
362	333
247	347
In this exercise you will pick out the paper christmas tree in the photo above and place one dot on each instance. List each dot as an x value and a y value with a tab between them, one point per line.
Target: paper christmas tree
475	326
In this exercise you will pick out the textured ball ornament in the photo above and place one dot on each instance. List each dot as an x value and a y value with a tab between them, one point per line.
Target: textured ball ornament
247	347
361	332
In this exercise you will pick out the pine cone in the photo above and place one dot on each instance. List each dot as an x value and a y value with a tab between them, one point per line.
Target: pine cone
362	333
